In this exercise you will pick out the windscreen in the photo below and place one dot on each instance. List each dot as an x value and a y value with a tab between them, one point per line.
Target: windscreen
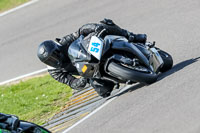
76	51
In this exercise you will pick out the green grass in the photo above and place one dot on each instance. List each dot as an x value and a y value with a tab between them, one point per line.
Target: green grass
34	100
8	4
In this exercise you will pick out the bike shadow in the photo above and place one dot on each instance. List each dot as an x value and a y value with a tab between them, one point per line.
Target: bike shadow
178	67
173	70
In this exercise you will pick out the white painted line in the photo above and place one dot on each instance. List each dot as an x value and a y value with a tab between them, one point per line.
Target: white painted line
92	113
23	76
19	7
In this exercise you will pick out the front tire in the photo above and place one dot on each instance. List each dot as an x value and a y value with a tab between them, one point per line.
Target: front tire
124	73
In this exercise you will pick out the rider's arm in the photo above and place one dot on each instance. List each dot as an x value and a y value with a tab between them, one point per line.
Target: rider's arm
107	24
61	75
84	30
111	29
64	77
68	39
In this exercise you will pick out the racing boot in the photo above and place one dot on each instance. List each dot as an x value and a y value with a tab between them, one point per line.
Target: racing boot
102	87
137	38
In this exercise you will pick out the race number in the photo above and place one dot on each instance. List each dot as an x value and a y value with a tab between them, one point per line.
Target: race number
95	47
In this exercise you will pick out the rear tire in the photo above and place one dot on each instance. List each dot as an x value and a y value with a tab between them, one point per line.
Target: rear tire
168	61
124	73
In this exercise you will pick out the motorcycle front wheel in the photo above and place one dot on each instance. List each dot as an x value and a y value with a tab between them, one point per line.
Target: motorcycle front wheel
126	73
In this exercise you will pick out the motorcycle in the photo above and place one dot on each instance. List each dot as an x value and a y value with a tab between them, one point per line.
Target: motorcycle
12	124
28	127
114	58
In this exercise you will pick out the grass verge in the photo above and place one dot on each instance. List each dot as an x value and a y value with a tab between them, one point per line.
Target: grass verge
34	100
8	4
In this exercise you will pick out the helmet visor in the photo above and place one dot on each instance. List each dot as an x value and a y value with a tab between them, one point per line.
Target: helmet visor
54	62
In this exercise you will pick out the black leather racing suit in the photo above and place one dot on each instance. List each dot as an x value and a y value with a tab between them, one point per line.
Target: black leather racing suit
64	75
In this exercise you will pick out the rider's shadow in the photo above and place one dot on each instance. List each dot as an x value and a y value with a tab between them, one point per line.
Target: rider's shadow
173	70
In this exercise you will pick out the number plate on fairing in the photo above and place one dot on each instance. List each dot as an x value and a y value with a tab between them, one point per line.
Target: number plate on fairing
95	47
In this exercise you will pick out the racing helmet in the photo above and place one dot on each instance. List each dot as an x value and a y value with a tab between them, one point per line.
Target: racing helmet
49	52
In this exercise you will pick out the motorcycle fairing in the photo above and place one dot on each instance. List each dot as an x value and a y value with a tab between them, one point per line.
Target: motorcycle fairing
121	43
77	52
86	69
86	65
155	60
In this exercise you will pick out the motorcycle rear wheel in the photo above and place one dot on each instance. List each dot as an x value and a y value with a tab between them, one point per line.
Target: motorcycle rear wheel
168	61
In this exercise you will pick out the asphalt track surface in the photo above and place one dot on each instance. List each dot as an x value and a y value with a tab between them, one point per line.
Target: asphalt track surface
171	105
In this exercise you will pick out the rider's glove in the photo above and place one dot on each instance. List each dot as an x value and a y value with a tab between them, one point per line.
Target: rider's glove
78	84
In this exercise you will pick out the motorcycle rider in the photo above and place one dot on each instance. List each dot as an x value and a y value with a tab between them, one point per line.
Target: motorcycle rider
54	54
